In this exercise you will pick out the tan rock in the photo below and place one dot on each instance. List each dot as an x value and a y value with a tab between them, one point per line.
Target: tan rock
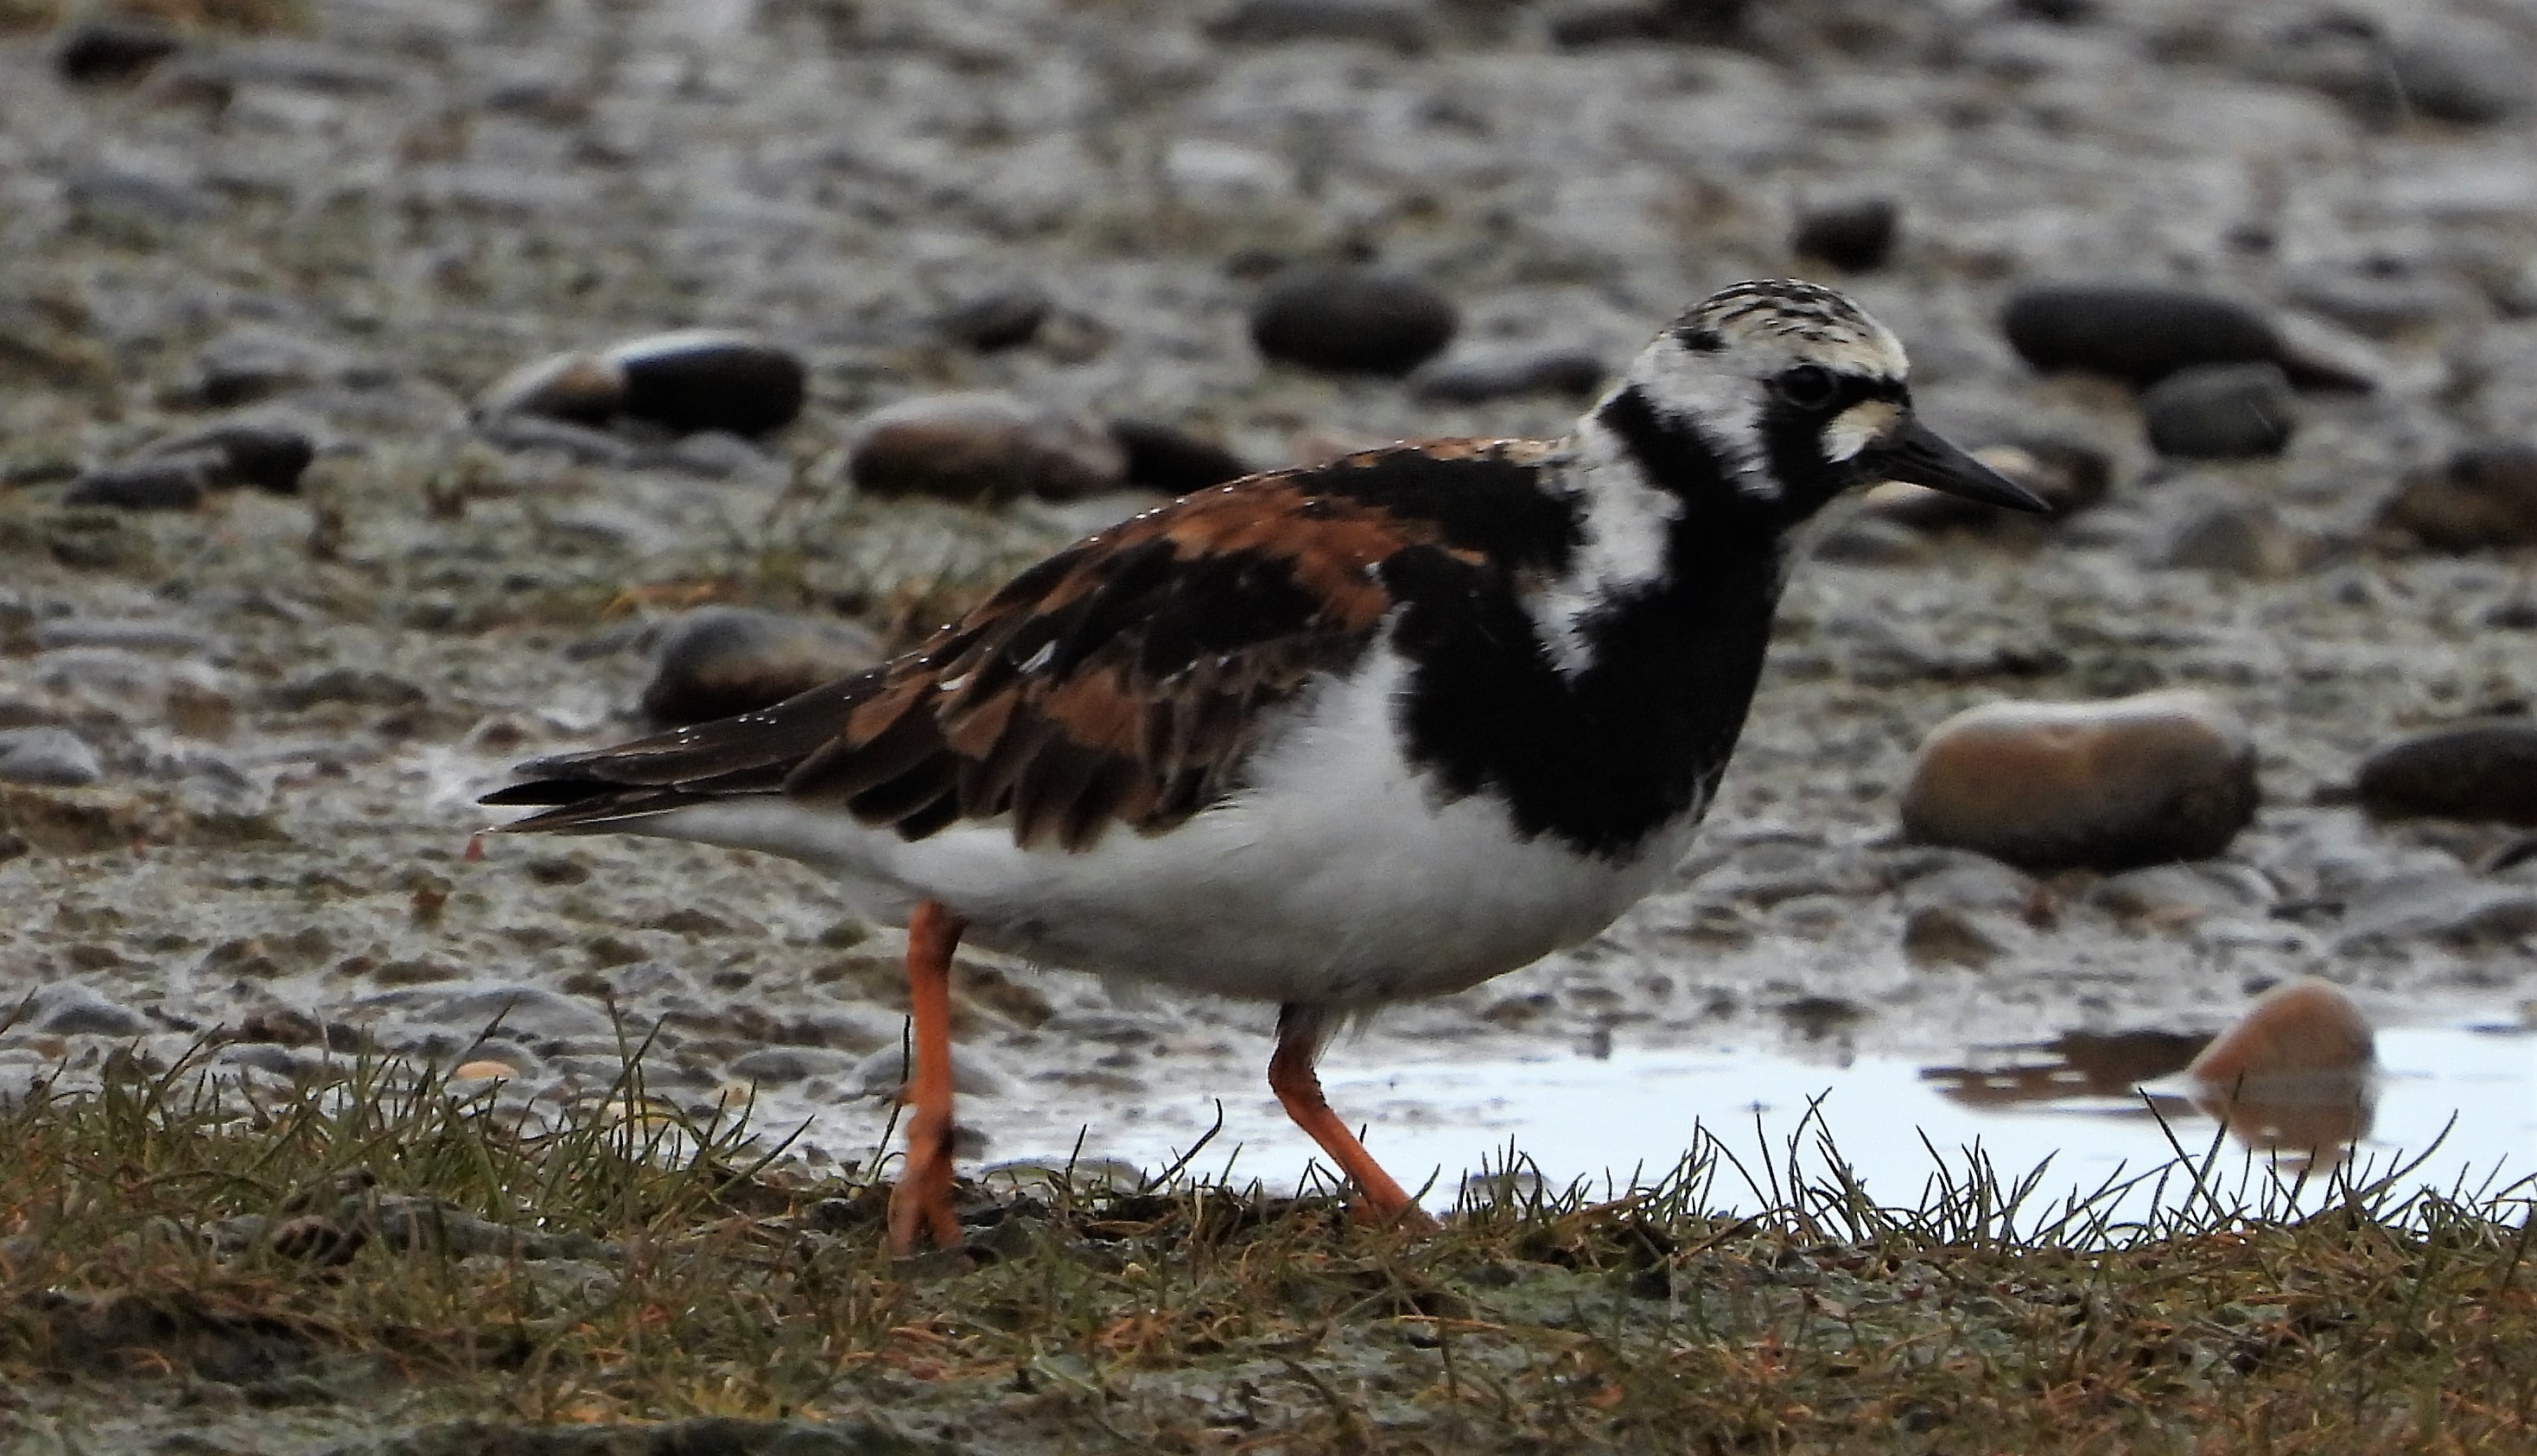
2108	785
2296	1072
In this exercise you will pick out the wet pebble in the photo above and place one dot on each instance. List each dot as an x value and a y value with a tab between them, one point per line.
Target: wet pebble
1942	935
1508	373
710	380
1606	22
2456	68
2136	332
1361	319
983	448
70	1009
2106	785
2220	410
54	758
268	453
2484	770
2293	1072
2483	497
1852	233
2380	305
795	1064
105	48
173	483
717	661
1004	317
885	1072
518	1011
689	381
1164	458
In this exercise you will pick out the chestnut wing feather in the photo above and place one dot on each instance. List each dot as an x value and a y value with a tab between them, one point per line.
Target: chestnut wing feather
1119	682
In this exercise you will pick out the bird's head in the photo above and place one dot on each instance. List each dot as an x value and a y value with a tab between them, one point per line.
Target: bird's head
1788	394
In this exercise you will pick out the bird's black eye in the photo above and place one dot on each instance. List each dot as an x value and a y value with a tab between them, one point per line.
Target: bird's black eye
1807	386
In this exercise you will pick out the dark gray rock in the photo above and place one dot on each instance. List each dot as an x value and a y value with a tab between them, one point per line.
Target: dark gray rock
1363	319
2483	498
2462	70
1852	233
984	450
1004	317
710	380
51	756
1165	457
1507	372
2108	785
2486	770
69	1009
113	194
1610	21
104	48
2136	332
173	483
2217	411
717	661
268	453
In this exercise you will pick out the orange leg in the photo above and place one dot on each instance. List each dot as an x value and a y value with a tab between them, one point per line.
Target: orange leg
1299	1091
924	1192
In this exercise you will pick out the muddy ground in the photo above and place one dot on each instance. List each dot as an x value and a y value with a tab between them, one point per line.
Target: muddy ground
294	699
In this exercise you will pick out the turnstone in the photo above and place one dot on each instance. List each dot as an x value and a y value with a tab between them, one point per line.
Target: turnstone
1331	737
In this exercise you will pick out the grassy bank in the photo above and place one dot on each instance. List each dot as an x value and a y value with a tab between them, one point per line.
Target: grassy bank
384	1262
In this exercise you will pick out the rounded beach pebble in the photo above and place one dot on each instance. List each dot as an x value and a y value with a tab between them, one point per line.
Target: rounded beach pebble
717	661
2485	495
2296	1071
1361	320
984	448
2473	770
2138	332
2109	785
2220	412
689	381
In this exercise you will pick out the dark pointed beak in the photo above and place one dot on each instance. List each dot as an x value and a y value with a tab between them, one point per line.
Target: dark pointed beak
1921	455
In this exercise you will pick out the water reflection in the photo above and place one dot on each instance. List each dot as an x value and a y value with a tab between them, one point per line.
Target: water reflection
2093	1106
2297	1076
2298	1073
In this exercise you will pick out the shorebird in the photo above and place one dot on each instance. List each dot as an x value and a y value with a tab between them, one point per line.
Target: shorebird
1328	738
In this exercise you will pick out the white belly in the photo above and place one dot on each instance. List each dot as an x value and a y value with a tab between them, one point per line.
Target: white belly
1336	879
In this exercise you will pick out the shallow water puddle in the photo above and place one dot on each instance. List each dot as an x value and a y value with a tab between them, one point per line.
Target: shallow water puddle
2468	1096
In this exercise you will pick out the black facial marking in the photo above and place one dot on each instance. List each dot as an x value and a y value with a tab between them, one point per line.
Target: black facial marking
1673	455
1792	439
1604	758
1699	338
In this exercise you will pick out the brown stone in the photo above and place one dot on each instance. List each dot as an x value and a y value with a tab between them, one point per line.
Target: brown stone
985	449
2296	1071
2108	785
